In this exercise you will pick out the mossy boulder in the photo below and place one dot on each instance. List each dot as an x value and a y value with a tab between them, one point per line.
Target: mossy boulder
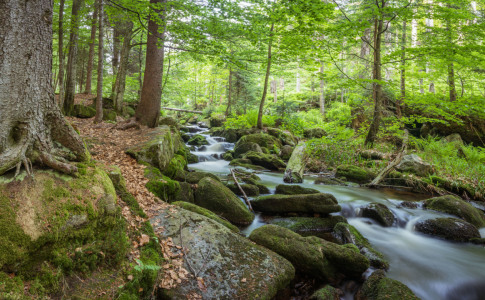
245	163
347	234
354	173
192	158
230	266
241	148
227	156
249	189
285	152
327	293
379	287
44	220
214	196
379	213
160	185
309	204
414	164
216	121
450	229
128	111
267	161
314	133
456	206
206	213
169	121
286	137
194	177
320	227
246	143
198	140
294	189
160	148
312	256
296	165
83	112
177	165
109	115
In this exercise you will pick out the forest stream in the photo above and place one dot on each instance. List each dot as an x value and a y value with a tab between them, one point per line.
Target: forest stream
432	268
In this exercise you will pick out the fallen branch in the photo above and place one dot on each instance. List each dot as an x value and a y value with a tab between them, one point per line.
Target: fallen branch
183	110
242	191
382	175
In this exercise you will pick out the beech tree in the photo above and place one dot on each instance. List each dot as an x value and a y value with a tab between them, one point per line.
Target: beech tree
31	124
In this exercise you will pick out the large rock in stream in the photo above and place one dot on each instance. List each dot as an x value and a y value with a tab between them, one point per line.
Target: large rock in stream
305	226
312	255
296	165
263	140
311	203
379	287
229	266
268	161
450	229
455	206
214	196
294	189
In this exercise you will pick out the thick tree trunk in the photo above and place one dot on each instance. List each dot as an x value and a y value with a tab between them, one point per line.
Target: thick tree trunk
376	86
148	110
451	82
89	75
322	91
120	83
99	88
30	120
403	71
72	58
266	78
61	53
229	94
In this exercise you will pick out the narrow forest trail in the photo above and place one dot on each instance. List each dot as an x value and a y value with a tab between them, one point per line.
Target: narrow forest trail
107	146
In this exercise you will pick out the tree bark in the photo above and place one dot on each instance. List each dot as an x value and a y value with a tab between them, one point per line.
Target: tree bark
322	90
377	77
72	58
61	53
89	71
229	94
148	110
120	83
403	71
31	123
266	78
98	118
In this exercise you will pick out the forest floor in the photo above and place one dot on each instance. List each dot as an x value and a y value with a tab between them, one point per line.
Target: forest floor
107	146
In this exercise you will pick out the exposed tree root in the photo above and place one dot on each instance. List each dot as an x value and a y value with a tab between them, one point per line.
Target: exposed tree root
130	123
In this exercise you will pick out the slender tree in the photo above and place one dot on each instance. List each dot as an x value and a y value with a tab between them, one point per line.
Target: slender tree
99	89
266	79
92	39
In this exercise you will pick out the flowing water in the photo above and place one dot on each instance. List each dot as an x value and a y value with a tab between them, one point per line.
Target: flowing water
432	268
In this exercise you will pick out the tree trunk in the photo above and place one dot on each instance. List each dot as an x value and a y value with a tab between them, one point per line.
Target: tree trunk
377	77
401	100
61	54
266	78
322	91
30	120
298	86
72	58
98	118
229	94
148	110
89	75
120	83
451	82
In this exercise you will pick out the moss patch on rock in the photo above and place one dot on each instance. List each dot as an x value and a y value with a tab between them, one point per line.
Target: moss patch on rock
354	173
206	213
450	229
455	206
378	287
379	213
313	203
320	227
294	189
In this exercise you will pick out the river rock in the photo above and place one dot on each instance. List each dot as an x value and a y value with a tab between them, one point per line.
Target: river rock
450	229
296	165
311	255
206	213
267	161
214	196
379	213
198	140
325	180
250	189
455	206
229	266
379	287
347	234
314	133
245	163
263	140
285	152
320	227
313	203
414	164
185	193
327	293
216	121
160	149
354	173
242	148
285	137
294	189
194	177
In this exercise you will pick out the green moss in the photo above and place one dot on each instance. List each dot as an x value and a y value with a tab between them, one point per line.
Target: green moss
378	287
320	227
245	163
287	189
267	161
109	115
249	189
198	140
164	188
177	163
456	206
326	293
11	287
354	173
207	213
312	203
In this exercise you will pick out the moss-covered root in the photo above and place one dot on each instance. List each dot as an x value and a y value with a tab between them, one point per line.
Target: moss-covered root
311	255
205	212
379	287
346	233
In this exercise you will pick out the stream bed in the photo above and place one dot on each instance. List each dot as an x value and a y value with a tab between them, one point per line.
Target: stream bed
431	268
